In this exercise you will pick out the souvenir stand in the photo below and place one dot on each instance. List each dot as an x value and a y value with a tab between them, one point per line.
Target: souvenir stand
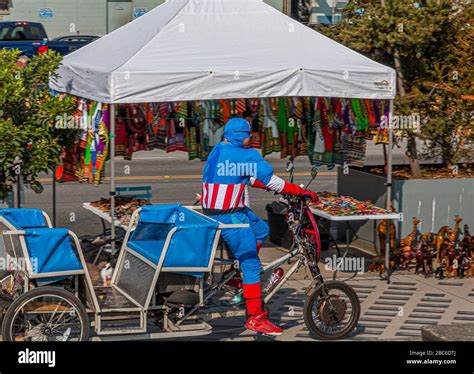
187	50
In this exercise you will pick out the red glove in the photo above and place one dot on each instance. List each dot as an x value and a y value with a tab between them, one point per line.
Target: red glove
311	195
293	189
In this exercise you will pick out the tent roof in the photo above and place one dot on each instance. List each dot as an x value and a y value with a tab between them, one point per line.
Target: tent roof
218	49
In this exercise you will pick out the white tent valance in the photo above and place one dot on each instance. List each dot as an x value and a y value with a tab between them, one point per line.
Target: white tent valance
218	49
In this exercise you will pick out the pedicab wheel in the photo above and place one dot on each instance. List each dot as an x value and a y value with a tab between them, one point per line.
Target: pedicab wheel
332	316
46	314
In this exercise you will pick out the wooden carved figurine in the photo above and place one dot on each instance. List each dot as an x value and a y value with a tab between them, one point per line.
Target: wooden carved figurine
378	263
382	233
424	256
406	245
452	258
452	263
467	242
464	255
442	240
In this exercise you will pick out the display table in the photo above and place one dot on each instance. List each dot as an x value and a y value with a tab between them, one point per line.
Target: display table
124	208
348	218
105	216
337	208
362	217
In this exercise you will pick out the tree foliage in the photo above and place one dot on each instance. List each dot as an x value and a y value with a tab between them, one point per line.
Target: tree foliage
29	135
429	43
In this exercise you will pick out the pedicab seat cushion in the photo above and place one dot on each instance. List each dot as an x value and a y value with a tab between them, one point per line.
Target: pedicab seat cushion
50	250
151	250
191	244
24	218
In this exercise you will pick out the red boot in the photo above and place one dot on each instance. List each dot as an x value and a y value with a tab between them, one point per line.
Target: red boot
262	324
258	319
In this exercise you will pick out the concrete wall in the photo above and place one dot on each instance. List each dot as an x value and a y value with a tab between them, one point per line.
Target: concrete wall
69	16
435	202
361	186
78	16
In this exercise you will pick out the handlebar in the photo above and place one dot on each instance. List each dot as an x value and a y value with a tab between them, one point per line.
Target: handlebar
297	198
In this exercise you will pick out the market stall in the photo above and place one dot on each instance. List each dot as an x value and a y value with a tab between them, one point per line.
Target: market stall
188	50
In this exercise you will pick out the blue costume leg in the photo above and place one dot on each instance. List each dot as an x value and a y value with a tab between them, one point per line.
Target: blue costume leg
259	226
243	244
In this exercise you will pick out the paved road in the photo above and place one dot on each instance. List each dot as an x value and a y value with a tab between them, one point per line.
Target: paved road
173	179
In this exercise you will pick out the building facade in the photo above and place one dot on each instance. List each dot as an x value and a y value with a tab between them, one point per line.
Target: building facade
99	17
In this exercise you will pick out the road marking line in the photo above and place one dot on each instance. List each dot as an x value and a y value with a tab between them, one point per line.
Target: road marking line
169	177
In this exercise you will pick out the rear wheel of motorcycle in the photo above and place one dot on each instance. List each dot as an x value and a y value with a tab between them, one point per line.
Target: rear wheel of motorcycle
335	316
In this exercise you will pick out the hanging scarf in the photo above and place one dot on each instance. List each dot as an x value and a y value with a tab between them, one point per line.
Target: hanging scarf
163	113
171	129
271	141
253	118
283	126
103	146
241	107
192	133
225	110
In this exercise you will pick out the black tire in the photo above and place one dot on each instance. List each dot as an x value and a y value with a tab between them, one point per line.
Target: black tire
13	310
313	298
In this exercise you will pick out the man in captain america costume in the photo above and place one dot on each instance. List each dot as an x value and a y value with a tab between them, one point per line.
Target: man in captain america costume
229	170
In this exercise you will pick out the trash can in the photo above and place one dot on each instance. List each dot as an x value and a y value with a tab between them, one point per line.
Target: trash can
279	233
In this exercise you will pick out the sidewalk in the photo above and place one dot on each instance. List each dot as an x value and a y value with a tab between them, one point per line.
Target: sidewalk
394	311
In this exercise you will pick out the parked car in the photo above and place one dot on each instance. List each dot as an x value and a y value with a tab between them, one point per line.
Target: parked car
76	38
31	38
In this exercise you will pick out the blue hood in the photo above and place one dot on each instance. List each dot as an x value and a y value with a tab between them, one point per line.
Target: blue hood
236	131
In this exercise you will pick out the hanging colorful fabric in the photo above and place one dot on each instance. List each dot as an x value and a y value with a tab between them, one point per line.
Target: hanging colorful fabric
171	129
192	133
299	136
382	136
102	147
163	113
353	150
241	107
282	121
181	119
253	118
226	110
271	141
372	129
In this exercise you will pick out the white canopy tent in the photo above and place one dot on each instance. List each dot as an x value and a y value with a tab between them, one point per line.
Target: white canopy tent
225	49
218	49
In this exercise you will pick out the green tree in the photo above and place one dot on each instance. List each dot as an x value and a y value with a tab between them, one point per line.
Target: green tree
29	113
427	43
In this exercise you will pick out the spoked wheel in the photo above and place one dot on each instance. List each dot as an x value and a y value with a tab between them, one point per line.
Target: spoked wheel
46	314
332	313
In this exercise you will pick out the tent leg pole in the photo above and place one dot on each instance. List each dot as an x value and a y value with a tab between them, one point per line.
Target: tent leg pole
112	176
389	188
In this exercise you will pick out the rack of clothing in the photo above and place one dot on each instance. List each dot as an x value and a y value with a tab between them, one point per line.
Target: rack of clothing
329	131
85	161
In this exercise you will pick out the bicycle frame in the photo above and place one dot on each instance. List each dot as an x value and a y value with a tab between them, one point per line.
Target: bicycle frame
295	251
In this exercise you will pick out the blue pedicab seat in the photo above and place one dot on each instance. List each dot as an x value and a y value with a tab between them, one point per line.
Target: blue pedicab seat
170	248
191	243
48	249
